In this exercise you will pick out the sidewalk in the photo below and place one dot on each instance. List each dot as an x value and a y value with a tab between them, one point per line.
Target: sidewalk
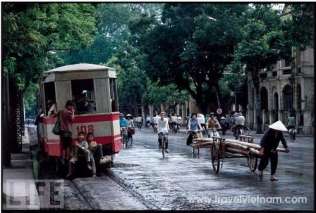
19	191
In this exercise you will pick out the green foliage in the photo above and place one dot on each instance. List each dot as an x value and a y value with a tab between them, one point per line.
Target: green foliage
169	94
30	100
33	30
269	36
188	48
298	24
131	79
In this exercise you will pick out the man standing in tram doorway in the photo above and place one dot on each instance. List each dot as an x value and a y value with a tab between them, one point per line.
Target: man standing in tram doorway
269	143
66	118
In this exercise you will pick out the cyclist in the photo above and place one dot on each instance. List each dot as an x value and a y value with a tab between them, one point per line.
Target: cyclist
239	124
224	124
193	128
291	125
174	123
201	119
123	121
163	129
179	121
155	122
130	127
213	124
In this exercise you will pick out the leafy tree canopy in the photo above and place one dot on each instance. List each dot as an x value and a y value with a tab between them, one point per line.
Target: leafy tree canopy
191	45
33	32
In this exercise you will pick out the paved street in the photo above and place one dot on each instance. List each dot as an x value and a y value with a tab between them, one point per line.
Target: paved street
182	182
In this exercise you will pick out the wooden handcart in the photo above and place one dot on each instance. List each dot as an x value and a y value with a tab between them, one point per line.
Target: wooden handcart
221	148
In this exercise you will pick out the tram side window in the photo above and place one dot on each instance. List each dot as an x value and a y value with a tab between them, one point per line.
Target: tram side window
113	94
83	96
50	99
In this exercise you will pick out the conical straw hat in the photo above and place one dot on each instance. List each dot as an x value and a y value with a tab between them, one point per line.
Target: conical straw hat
278	126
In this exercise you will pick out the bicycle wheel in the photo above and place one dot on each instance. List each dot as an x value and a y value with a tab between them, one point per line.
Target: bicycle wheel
216	158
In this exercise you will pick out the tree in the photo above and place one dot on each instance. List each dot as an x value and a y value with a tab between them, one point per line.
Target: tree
131	78
33	31
112	32
168	94
268	38
188	47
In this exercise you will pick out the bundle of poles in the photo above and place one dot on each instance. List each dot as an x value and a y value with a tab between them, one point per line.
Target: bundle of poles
236	146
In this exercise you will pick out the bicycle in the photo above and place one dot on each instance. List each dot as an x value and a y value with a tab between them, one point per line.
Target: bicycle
155	128
124	135
193	135
292	132
213	132
164	140
174	127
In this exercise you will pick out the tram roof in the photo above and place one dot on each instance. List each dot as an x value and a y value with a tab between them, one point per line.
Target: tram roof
79	67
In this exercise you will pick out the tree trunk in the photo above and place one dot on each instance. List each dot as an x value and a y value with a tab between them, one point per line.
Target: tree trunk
217	96
258	109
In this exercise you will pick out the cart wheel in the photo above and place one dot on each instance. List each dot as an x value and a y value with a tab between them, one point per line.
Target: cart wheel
252	163
216	160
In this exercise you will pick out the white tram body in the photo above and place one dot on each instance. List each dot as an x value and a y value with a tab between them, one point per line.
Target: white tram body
95	84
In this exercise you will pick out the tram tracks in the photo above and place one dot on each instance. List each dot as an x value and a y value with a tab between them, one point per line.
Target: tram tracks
83	194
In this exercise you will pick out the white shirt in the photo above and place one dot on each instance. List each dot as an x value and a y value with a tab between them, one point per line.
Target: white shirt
240	120
130	123
174	118
163	125
201	118
156	118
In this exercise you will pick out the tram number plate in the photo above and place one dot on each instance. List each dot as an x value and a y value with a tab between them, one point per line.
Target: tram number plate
85	128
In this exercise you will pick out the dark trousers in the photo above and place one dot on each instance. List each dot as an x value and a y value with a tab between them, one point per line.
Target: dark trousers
273	156
97	154
160	136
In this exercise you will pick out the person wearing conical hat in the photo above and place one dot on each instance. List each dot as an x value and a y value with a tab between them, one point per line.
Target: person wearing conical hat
269	143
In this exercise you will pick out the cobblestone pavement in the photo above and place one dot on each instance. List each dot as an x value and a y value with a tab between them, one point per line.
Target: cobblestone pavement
182	182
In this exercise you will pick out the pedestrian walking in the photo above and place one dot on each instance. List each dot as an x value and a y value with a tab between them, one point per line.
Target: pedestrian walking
269	143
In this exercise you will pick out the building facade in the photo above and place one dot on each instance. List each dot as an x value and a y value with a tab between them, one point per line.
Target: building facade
286	88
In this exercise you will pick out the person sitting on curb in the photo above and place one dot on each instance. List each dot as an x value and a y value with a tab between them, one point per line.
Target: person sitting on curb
269	143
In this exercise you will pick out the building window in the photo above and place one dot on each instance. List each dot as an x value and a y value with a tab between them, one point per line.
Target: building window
287	98
263	75
264	98
287	62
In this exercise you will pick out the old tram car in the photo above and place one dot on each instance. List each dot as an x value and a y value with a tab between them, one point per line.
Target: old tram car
95	84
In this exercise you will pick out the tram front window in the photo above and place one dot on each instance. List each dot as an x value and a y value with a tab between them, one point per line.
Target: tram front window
83	95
